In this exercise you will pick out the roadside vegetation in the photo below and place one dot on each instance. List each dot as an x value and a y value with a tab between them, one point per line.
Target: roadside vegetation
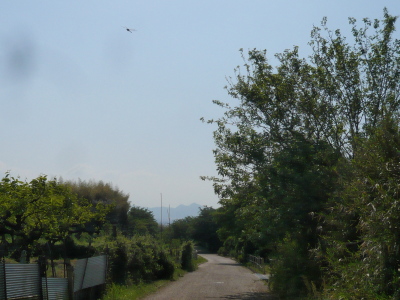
64	221
139	291
307	154
308	161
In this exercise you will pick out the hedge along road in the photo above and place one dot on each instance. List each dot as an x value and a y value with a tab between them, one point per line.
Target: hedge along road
219	278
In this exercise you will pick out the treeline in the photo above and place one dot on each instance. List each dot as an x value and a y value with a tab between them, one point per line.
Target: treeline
43	210
61	219
203	230
308	157
122	216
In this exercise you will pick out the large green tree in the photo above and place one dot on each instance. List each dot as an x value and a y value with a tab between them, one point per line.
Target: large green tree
287	146
205	229
182	229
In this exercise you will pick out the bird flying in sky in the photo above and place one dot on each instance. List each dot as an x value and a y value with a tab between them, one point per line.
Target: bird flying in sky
131	30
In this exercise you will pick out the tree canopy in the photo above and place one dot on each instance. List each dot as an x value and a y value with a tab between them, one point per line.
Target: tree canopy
141	221
100	192
44	209
292	154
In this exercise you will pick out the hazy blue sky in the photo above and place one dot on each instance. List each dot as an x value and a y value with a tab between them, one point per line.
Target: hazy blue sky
83	98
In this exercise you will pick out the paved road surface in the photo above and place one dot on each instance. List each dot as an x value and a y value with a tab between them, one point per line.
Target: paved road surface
219	278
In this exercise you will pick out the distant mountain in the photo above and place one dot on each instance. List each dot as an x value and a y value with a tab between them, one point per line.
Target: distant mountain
179	212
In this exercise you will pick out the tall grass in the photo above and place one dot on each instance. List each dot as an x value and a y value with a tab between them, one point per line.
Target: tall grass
123	292
139	291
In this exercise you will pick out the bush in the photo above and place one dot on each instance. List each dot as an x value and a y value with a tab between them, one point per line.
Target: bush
187	257
222	251
167	267
293	270
149	261
138	259
118	260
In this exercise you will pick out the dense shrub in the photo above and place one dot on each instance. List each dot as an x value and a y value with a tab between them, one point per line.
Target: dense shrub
187	256
118	260
222	251
293	271
138	259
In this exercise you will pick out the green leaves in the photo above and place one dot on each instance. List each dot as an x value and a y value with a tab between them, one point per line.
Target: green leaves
310	149
141	221
43	208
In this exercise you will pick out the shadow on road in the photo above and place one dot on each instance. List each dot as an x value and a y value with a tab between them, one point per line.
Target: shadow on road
230	264
249	296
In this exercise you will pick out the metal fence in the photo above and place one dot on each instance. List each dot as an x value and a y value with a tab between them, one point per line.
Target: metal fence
55	289
90	277
257	261
3	294
24	281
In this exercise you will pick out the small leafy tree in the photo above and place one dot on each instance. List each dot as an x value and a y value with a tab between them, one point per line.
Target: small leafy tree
43	209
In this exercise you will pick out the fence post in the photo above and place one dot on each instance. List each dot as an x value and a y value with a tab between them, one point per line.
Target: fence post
70	278
42	262
106	269
84	272
4	281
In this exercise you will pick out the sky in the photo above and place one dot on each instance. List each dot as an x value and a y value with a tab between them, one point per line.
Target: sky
82	98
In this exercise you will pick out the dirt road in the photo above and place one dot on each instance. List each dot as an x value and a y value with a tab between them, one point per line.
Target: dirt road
219	278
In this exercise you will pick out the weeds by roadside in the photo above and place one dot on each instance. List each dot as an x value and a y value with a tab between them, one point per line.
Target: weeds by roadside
139	291
265	269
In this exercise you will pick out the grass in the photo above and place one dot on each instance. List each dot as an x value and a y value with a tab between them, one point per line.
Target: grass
122	292
132	292
265	269
200	260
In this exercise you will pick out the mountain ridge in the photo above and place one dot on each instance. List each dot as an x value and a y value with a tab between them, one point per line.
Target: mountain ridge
180	212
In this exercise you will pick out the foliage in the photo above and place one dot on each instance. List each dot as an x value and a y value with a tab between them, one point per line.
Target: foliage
187	256
131	292
182	229
205	229
292	270
106	194
139	291
201	229
372	194
139	259
141	221
43	209
307	158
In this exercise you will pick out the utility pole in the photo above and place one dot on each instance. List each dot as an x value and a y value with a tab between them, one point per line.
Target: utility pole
161	216
169	216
